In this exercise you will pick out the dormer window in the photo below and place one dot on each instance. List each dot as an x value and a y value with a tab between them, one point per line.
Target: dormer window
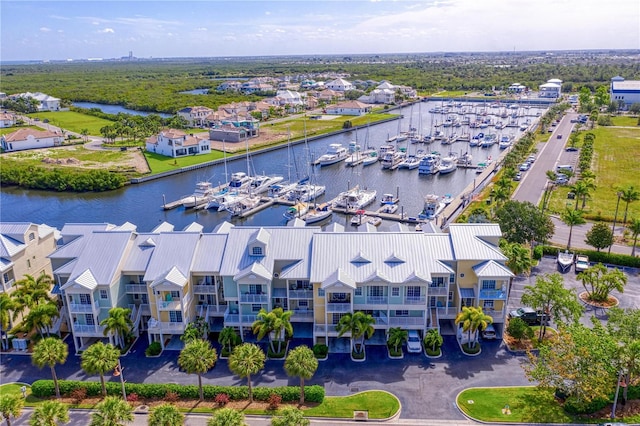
256	251
32	236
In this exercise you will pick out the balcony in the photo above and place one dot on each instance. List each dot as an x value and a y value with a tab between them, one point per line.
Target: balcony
136	288
166	327
204	289
75	308
415	300
406	321
438	291
7	285
338	307
328	330
174	305
300	294
85	330
236	319
302	315
254	298
497	315
493	294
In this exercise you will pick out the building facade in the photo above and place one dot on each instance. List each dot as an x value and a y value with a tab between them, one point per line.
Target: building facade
26	138
625	91
176	143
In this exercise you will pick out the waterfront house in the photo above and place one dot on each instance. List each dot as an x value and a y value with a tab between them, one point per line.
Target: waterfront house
348	108
551	89
196	115
176	143
27	138
45	102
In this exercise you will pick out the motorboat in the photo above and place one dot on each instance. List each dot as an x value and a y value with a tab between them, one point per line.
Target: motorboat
384	149
261	183
305	192
372	158
448	164
388	208
447	199
243	205
354	159
355	198
359	218
465	160
488	141
429	164
411	162
565	260
296	210
317	214
391	160
335	153
432	207
239	181
280	189
201	195
505	142
389	199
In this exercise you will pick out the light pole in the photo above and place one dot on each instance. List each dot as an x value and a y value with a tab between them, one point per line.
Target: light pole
615	219
118	372
622	383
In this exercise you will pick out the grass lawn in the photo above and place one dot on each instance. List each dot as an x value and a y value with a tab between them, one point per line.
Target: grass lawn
450	94
380	405
74	121
160	163
14	389
615	164
527	404
542	137
79	152
624	120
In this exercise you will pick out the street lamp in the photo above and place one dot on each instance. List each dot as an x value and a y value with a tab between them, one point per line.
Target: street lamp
615	218
118	372
621	383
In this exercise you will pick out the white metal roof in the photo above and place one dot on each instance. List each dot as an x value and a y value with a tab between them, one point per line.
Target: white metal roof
85	279
626	85
474	241
139	254
209	254
14	230
491	268
175	249
71	231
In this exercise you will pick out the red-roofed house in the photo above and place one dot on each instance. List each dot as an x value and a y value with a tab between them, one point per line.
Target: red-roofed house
30	139
176	143
7	120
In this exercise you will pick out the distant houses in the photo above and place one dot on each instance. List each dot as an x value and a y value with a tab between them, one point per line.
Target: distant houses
550	89
348	108
196	116
176	143
625	91
7	120
45	102
23	139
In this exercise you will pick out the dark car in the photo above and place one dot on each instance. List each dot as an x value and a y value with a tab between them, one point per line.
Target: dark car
529	315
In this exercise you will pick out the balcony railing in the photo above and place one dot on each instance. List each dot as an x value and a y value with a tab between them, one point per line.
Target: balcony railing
8	284
84	307
300	294
497	315
85	329
493	294
167	326
254	298
400	321
204	289
302	314
239	319
174	305
415	300
438	291
338	307
136	288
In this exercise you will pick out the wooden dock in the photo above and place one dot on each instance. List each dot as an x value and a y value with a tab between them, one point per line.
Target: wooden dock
172	205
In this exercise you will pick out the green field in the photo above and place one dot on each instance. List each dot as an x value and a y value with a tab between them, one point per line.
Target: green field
615	164
624	120
73	121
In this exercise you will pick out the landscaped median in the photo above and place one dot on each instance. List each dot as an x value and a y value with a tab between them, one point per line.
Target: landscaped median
377	404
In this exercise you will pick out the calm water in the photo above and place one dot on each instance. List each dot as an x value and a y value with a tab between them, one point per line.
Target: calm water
116	109
142	204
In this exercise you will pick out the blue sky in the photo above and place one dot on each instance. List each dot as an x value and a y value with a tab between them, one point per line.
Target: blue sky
106	29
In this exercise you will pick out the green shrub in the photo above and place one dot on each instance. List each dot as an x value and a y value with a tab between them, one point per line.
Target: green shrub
320	350
153	349
571	406
538	252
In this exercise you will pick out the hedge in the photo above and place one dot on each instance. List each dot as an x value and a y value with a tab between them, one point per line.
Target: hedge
46	388
599	256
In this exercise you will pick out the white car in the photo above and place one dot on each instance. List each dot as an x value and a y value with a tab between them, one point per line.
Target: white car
489	333
414	343
524	167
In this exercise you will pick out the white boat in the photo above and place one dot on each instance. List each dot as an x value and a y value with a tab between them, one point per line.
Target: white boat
243	205
389	199
429	165
359	218
335	153
432	207
565	260
505	142
305	191
354	159
280	189
523	127
384	149
411	162
202	194
296	210
355	198
465	160
392	159
447	199
372	158
239	181
388	208
221	199
488	141
317	214
261	183
448	164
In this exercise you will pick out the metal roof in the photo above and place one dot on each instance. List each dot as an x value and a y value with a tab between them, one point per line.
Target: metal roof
71	231
10	247
175	249
139	255
173	277
209	254
15	230
163	227
491	268
86	280
103	253
626	85
471	241
193	227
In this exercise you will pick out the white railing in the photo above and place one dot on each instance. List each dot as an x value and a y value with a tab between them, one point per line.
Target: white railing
381	320
438	291
404	321
254	298
145	309
88	329
84	307
300	294
167	326
497	315
376	300
302	314
338	307
213	310
136	288
174	305
491	293
8	284
415	300
204	289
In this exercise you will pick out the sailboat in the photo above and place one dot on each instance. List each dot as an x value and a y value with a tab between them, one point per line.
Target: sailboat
370	155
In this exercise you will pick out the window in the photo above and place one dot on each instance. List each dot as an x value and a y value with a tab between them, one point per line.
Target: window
413	292
450	296
488	305
175	316
255	289
395	291
28	263
32	236
104	295
256	308
358	291
488	284
452	278
136	296
375	291
85	299
89	320
303	303
437	282
5	277
402	313
145	298
320	292
175	294
256	251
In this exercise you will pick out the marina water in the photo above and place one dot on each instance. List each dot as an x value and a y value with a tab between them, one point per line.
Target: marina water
141	204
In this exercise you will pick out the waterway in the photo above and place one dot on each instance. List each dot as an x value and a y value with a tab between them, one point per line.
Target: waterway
141	204
116	109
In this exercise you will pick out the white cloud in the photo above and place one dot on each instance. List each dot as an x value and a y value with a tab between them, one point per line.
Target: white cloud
107	31
201	29
45	29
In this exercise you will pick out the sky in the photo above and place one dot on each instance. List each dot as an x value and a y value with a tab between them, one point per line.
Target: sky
58	30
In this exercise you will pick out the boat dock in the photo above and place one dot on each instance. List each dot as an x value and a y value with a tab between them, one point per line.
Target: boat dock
172	205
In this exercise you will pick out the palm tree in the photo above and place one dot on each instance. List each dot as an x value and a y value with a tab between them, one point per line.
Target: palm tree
100	359
229	338
472	320
360	325
634	227
433	339
397	336
275	322
118	324
629	195
49	413
30	292
301	362
166	415
50	351
579	190
112	411
571	218
518	258
10	406
227	417
7	305
198	357
40	317
245	360
590	185
290	416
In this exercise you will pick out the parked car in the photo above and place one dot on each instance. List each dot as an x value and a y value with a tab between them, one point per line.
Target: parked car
517	177
414	343
531	159
562	167
489	333
529	315
582	263
524	167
